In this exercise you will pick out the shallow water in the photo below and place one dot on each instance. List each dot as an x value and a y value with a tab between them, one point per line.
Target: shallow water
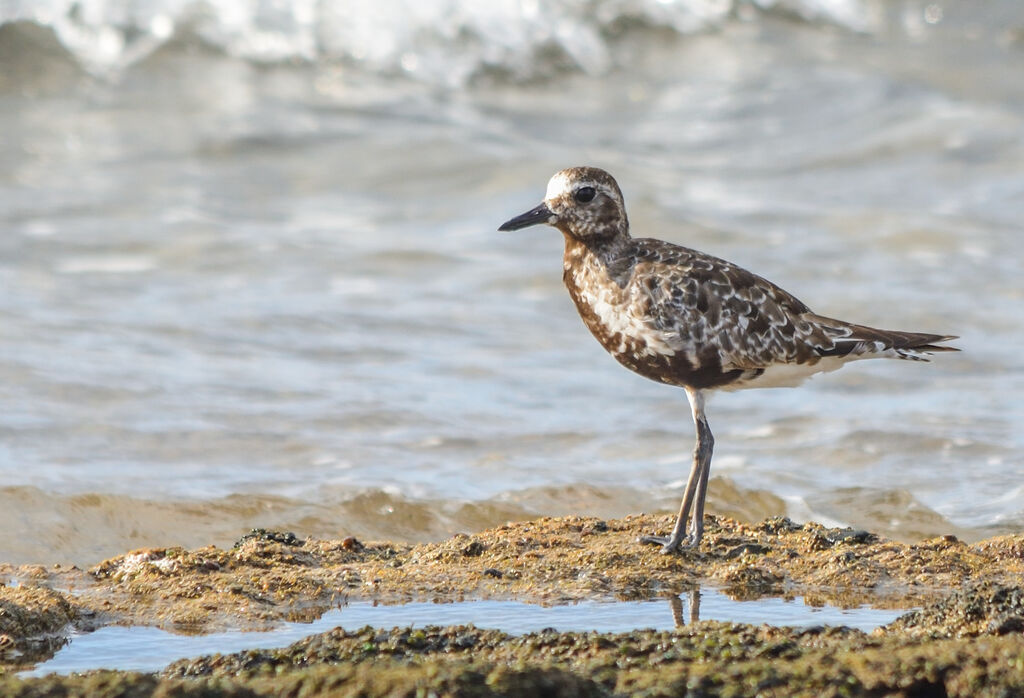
151	649
251	274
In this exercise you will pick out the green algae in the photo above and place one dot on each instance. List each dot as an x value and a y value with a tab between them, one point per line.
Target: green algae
713	659
708	659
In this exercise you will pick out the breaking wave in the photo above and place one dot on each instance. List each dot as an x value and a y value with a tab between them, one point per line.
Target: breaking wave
443	42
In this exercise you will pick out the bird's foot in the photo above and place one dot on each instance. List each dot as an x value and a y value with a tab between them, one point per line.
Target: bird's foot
668	545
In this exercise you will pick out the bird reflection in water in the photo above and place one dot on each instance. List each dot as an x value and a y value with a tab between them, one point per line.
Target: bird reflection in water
678	608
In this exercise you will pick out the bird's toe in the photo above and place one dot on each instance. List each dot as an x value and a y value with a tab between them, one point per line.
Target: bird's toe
668	546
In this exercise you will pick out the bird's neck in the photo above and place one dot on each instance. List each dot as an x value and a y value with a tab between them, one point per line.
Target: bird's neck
604	259
602	250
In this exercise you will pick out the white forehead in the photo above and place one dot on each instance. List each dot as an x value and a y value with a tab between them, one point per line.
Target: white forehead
560	184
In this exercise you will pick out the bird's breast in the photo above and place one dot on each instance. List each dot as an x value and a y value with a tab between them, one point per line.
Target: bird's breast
619	318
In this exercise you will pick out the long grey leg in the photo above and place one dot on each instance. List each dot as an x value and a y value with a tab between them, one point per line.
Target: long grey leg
706	444
679	531
696	484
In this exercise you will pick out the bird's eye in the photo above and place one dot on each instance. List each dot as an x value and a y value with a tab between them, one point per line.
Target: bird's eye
584	194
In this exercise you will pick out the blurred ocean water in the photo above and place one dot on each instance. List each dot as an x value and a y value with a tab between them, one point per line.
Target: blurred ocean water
250	273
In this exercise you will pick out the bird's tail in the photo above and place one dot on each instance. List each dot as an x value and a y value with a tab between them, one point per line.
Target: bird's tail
853	340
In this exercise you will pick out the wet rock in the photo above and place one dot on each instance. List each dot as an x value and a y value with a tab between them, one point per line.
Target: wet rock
1006	624
465	641
547	682
751	581
778	524
352	544
474	549
705	659
980	608
746	549
30	610
282	537
34	623
851	536
127	567
819	541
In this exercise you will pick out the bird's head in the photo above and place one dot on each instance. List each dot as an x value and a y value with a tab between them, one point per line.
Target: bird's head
583	202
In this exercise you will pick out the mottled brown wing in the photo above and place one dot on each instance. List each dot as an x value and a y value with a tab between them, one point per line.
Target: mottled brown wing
723	314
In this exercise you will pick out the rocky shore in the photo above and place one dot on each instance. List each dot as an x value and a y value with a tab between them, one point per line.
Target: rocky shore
966	637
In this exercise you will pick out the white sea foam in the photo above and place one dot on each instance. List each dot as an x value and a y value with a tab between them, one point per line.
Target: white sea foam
439	41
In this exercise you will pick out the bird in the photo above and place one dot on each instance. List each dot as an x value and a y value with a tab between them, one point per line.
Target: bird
691	320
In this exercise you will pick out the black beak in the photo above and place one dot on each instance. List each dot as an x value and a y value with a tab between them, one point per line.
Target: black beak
540	214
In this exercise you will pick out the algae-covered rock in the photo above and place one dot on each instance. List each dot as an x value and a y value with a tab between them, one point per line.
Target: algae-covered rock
979	608
33	622
269	575
31	610
705	659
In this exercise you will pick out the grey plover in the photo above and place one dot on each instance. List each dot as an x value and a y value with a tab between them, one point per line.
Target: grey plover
685	318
